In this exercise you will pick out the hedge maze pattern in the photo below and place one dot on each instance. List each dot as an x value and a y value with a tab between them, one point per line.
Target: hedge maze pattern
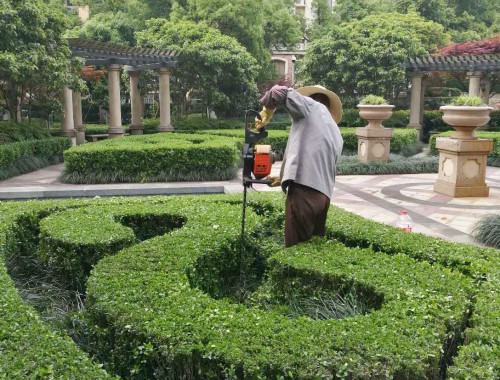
165	298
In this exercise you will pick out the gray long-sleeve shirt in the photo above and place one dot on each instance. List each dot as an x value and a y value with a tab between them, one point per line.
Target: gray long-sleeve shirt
314	144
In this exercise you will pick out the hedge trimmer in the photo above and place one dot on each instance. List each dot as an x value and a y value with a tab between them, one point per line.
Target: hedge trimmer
257	160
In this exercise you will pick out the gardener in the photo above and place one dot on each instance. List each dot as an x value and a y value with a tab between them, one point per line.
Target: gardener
309	164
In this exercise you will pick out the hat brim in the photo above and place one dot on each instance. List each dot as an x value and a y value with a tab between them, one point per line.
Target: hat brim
335	103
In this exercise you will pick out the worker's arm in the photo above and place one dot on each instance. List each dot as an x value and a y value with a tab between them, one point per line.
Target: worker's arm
273	98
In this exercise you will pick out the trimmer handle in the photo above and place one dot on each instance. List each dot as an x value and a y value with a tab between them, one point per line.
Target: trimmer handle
251	137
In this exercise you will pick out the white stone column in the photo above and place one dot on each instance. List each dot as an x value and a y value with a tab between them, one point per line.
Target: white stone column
416	100
115	128
474	83
78	119
136	127
486	89
68	124
165	124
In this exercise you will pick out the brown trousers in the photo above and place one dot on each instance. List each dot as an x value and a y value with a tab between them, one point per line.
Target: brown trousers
305	214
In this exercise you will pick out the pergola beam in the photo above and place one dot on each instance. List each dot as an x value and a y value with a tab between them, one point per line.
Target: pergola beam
476	66
132	60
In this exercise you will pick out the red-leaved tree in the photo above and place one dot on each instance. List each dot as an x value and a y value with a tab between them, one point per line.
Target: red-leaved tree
486	46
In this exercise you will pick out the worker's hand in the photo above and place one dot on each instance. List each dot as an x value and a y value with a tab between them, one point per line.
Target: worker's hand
266	114
276	181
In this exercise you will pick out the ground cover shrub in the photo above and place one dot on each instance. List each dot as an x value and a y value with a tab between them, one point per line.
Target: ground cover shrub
350	165
152	158
487	230
25	156
493	157
150	316
12	132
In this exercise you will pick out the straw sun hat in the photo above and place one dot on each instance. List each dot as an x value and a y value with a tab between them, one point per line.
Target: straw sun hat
335	103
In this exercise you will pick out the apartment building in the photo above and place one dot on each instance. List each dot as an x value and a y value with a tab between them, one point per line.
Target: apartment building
285	57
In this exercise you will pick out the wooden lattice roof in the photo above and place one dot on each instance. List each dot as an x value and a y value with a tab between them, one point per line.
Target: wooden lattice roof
105	54
483	62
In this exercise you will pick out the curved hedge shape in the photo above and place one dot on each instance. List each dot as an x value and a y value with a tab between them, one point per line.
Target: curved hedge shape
152	322
73	241
152	158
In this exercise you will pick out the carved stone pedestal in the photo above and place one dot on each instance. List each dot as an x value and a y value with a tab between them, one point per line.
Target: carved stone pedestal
374	143
462	167
136	129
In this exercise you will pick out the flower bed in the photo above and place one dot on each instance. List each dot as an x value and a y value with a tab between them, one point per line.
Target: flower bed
155	309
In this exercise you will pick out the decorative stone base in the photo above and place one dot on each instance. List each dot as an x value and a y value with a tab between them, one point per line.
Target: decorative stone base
462	167
374	144
136	129
114	132
461	192
71	133
165	128
80	135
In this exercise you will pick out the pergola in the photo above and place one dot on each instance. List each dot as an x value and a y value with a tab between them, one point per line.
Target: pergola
480	69
115	57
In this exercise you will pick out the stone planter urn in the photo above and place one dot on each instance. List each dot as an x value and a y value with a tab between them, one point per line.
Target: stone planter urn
463	156
374	140
465	119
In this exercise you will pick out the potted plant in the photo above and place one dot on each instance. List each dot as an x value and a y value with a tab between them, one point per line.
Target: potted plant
466	113
374	109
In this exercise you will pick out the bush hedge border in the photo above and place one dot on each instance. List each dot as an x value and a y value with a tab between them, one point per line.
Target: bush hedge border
472	261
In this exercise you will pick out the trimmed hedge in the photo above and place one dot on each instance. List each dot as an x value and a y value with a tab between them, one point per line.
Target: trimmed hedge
404	139
25	156
152	158
29	349
149	317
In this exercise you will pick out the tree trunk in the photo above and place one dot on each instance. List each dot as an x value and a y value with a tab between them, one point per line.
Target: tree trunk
12	102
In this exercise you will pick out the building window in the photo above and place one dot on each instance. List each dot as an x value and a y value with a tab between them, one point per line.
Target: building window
280	65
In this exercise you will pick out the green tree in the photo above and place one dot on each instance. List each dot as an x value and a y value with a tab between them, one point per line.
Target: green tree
368	56
140	10
214	66
256	24
117	28
34	56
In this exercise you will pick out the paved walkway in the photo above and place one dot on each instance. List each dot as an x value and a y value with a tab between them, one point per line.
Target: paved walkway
377	197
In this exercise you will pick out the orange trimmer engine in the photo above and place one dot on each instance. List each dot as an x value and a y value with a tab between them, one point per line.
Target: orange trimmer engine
262	161
257	160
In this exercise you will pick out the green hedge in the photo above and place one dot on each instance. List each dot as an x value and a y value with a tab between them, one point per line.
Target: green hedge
277	139
29	349
152	158
150	317
25	156
404	139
